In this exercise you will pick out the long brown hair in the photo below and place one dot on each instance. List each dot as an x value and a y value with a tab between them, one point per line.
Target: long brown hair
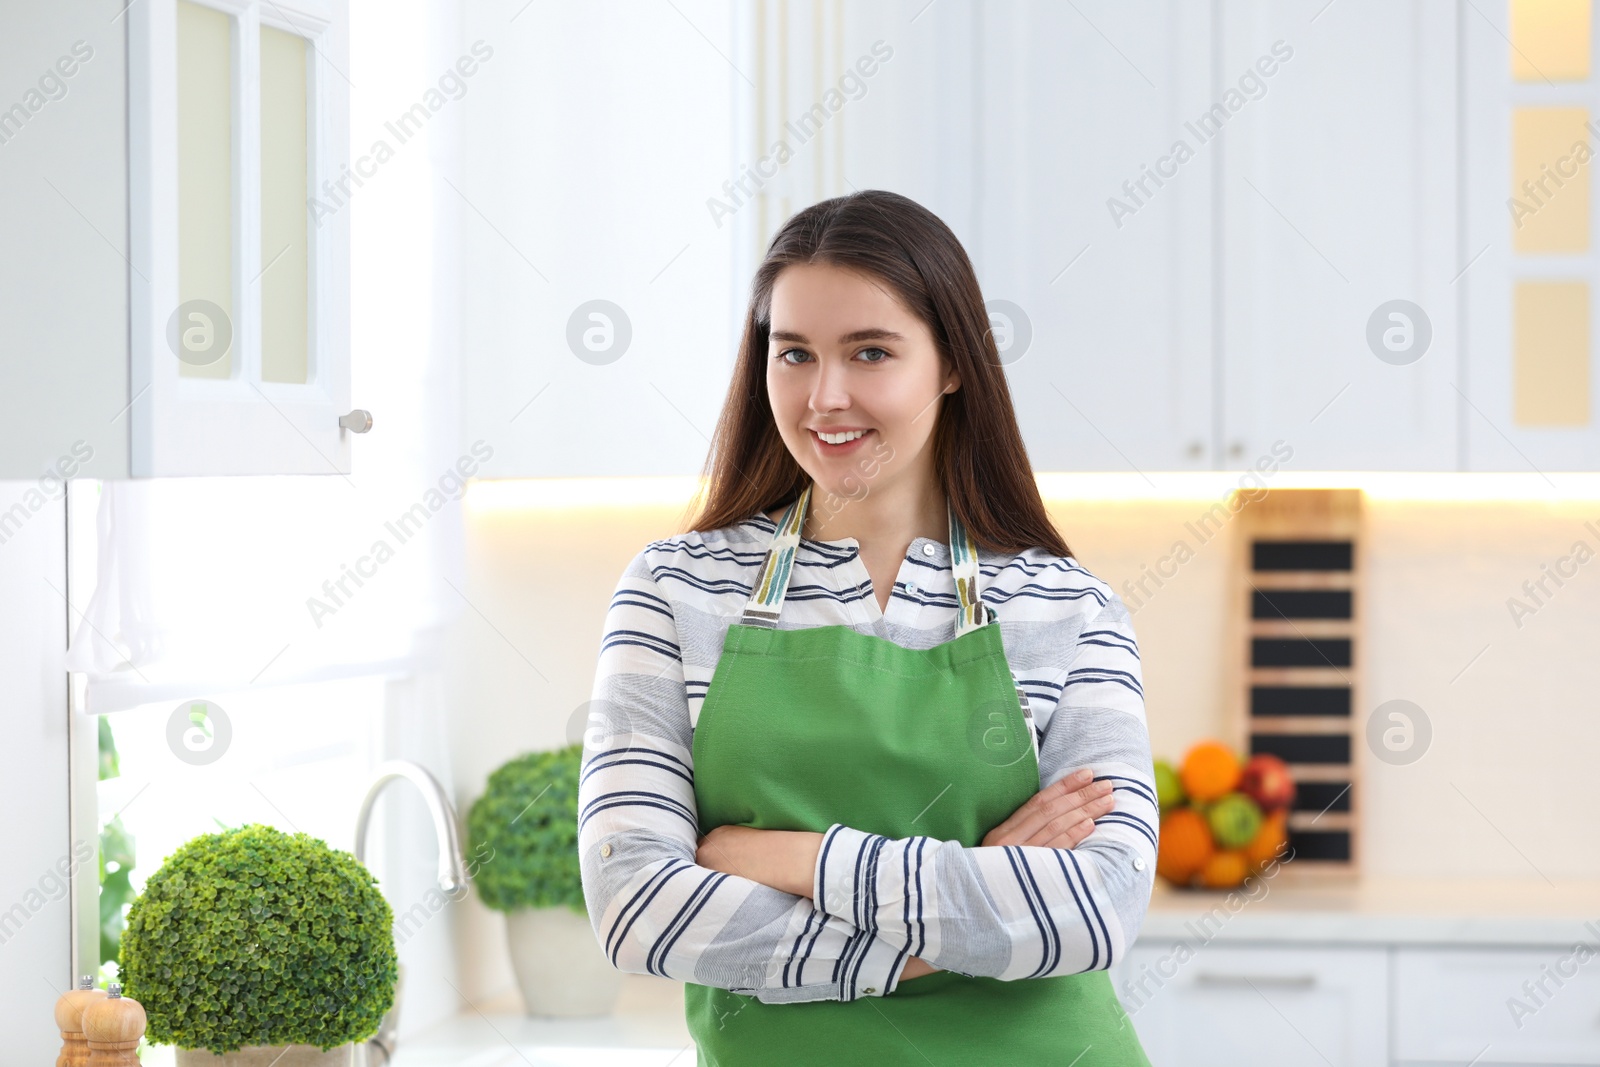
981	461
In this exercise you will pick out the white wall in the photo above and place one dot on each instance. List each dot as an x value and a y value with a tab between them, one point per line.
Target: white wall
35	907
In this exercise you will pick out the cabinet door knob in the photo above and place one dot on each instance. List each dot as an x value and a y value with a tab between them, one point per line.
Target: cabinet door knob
1195	449
1236	449
358	421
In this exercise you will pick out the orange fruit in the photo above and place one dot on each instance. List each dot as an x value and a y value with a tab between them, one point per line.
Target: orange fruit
1272	836
1184	846
1209	770
1225	869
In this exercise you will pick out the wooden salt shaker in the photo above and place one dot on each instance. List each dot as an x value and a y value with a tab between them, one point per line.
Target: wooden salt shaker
112	1026
69	1020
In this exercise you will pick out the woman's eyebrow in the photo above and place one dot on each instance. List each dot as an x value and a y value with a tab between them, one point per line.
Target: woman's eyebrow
870	334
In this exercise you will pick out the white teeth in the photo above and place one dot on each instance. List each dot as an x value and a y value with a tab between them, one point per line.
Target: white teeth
840	438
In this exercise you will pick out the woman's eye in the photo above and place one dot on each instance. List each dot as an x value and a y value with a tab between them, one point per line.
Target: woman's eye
784	353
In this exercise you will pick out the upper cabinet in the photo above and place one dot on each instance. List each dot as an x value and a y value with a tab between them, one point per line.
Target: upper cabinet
186	310
1211	236
1530	120
1350	236
63	244
1090	223
239	134
1218	236
1339	266
591	192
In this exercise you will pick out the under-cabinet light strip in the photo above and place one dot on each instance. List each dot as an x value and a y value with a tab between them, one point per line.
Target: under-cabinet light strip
1444	486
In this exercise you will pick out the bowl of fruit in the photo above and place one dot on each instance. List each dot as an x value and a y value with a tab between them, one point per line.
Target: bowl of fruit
1222	818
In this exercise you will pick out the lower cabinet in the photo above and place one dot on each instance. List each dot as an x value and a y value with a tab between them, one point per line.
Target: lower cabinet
1283	1004
1497	1006
1230	1005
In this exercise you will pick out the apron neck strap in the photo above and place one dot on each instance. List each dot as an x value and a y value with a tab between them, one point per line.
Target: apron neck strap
772	582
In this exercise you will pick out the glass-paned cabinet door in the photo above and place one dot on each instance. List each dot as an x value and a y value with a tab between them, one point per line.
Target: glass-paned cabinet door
1532	129
238	111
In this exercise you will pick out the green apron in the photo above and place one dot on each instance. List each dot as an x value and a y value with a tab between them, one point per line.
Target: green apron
804	728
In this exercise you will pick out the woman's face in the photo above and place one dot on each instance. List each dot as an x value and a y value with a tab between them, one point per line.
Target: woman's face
846	355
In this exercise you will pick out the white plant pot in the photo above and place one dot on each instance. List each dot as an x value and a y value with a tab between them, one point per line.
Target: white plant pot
560	966
268	1056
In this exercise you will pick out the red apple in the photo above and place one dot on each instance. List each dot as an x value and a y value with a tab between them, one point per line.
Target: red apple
1266	780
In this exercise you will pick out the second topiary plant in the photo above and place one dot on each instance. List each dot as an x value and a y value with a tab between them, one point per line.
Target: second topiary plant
528	819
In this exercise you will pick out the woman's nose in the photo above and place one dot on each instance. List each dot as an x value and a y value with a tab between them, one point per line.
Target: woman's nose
830	391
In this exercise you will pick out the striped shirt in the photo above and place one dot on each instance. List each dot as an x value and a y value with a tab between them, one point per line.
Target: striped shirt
1008	912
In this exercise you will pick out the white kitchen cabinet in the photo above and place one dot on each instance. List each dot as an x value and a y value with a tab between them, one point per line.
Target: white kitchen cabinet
1337	198
1202	216
967	108
1201	230
1376	970
1225	1005
1528	115
1025	128
1491	1006
1110	360
596	303
63	271
174	300
1197	219
1183	232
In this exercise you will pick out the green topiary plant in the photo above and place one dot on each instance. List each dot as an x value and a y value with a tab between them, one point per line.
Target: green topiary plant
528	815
257	937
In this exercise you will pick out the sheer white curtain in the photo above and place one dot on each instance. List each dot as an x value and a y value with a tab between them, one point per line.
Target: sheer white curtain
216	584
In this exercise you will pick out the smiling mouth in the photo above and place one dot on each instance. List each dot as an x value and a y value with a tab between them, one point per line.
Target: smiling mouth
859	435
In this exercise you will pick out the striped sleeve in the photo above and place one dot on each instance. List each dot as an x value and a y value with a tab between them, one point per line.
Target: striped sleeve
654	911
1026	911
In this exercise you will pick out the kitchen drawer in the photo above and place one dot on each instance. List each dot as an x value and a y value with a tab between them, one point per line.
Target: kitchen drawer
1455	1005
1223	1006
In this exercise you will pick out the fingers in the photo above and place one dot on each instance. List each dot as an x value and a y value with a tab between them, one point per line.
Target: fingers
1077	826
1059	816
1027	818
1057	804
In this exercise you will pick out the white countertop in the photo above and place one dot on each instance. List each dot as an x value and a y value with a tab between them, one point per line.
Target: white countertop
1381	911
646	1030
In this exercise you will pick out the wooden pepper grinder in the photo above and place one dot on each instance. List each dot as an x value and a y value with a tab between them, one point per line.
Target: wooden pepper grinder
112	1026
69	1020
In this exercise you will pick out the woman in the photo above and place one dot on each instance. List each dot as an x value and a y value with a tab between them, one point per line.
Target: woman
819	787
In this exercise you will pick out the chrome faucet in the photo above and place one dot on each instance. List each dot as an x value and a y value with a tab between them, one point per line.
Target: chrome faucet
452	870
379	1048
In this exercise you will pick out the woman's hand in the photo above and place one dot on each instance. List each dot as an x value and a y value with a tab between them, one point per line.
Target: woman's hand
782	859
729	849
916	967
1060	815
